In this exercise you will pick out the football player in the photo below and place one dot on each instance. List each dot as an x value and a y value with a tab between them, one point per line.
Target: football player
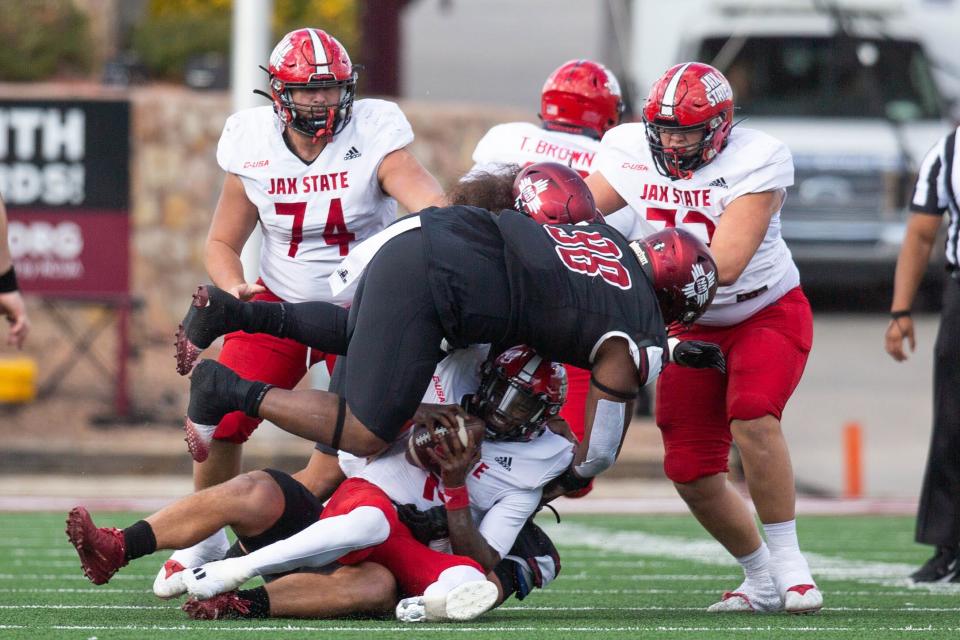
687	167
579	102
319	171
488	501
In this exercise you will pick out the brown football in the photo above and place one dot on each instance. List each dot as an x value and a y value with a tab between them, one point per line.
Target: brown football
421	439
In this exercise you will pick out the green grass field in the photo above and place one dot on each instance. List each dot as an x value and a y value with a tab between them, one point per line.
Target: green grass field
623	577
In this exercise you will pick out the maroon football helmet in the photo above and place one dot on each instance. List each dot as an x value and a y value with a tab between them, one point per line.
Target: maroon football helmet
688	97
312	59
583	97
682	271
519	391
552	193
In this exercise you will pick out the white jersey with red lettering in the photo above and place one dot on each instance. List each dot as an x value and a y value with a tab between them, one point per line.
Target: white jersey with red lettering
523	143
313	214
752	162
506	484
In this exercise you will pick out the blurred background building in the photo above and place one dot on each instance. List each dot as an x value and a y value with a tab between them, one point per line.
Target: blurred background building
859	89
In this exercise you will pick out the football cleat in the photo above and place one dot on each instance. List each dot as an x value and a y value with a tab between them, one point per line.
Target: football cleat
210	400
169	581
216	577
101	549
198	438
463	602
223	606
749	598
206	320
803	598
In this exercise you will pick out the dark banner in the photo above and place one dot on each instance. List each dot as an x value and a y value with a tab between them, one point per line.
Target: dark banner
65	177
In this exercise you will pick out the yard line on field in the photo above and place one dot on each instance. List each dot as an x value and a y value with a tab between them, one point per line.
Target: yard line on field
88	591
888	574
655	591
87	606
671	608
450	629
60	576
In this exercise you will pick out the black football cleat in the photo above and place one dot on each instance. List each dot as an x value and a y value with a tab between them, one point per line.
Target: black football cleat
207	319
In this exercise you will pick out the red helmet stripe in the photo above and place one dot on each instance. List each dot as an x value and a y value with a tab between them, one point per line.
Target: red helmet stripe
670	93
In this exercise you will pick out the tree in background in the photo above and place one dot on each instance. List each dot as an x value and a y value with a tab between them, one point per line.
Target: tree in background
174	31
43	39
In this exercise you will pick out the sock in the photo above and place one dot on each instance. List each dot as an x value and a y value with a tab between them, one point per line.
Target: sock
322	542
138	540
259	602
782	538
213	548
755	564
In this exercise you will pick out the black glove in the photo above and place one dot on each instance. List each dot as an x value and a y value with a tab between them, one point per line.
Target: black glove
424	525
699	355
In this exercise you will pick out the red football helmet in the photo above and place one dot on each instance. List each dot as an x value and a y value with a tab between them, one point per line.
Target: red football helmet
312	59
682	271
689	97
552	193
518	392
582	97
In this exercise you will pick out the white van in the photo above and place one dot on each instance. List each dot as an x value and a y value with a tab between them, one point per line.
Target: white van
851	93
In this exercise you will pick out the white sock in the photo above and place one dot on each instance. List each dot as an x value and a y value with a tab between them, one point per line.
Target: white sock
208	550
322	542
788	566
756	565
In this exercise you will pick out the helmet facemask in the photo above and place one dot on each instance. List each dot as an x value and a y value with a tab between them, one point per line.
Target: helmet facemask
512	409
317	121
681	162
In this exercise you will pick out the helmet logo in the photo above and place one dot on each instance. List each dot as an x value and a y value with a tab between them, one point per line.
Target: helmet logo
699	288
280	51
530	191
717	88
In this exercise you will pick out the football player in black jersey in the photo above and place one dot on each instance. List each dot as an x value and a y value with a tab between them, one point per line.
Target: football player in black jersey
460	275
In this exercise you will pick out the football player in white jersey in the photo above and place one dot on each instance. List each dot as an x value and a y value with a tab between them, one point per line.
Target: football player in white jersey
579	102
320	172
687	166
488	498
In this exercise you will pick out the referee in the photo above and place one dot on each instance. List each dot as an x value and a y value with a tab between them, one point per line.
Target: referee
936	192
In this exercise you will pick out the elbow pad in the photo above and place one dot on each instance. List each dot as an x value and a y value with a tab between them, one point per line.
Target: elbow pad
605	436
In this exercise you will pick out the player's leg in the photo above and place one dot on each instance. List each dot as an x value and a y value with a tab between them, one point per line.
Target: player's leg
765	363
348	524
375	388
250	503
323	474
697	440
214	313
532	563
364	590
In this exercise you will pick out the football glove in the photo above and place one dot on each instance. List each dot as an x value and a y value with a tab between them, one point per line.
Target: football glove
424	525
699	355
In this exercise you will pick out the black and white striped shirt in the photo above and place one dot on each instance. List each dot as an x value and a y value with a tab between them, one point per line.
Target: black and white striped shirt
938	188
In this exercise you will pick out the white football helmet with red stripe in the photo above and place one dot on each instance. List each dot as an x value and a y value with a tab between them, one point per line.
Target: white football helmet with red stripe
312	59
690	96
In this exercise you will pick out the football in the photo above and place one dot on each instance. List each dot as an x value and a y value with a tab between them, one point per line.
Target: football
421	439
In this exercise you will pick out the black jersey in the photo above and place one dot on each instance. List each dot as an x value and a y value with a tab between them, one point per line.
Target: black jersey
565	288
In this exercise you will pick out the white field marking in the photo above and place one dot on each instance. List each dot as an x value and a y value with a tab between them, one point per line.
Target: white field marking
58	552
87	606
887	574
450	628
654	591
91	591
665	608
58	577
43	563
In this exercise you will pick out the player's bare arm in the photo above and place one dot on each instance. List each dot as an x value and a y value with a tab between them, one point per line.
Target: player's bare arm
914	255
234	220
741	230
606	197
456	461
403	177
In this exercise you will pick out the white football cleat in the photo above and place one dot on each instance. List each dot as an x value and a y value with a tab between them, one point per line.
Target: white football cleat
217	577
169	581
749	598
463	602
803	598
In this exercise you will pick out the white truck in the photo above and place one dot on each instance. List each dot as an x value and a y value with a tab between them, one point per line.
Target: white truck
847	86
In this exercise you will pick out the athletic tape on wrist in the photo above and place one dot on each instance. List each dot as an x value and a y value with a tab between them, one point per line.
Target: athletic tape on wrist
456	498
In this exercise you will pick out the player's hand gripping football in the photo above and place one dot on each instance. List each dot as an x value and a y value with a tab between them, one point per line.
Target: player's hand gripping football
699	355
454	458
438	414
